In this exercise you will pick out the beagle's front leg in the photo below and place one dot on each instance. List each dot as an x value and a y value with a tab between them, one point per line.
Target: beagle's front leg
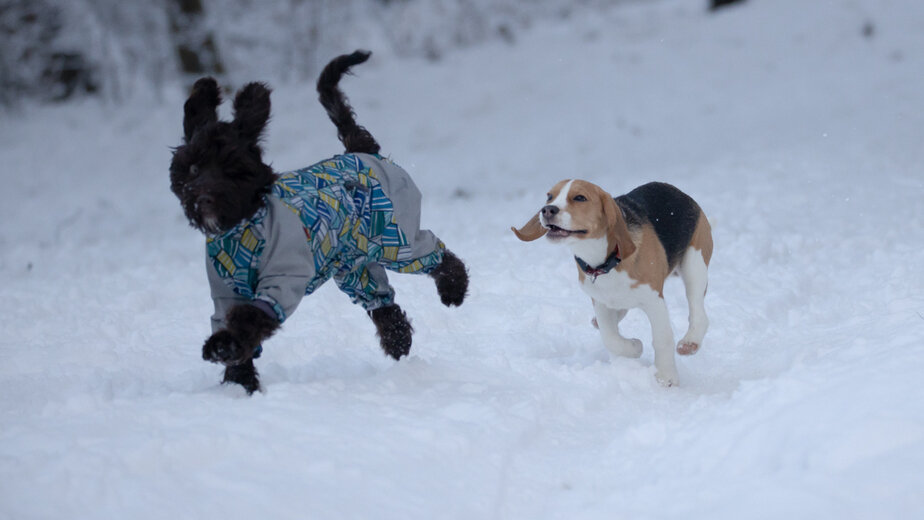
662	337
608	322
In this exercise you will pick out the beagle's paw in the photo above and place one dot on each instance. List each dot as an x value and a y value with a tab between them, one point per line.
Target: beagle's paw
622	347
626	347
687	348
667	379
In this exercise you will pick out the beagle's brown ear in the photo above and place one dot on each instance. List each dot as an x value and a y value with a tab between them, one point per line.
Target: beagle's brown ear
531	230
617	231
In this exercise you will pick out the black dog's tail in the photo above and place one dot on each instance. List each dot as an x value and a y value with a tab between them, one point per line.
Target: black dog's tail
355	138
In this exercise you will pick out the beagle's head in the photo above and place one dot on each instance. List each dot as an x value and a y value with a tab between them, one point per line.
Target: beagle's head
577	210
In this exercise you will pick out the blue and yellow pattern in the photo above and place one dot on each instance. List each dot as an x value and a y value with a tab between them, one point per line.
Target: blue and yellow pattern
349	222
235	254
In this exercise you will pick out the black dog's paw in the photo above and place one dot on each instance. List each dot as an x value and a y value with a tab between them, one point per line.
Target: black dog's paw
394	330
224	347
245	375
451	279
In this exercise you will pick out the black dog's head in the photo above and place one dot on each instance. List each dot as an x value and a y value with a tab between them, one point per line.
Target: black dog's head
218	172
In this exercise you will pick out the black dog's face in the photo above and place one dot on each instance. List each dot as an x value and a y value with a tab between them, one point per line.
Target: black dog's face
218	173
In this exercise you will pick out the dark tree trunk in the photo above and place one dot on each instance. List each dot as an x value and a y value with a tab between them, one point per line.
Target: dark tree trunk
197	53
718	4
32	62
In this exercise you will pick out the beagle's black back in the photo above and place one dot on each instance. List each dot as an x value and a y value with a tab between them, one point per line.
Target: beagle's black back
671	212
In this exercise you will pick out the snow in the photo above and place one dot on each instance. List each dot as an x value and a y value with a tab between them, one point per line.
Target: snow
798	136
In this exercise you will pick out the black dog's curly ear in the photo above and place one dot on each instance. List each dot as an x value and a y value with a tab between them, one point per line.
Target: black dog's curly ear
200	108
252	110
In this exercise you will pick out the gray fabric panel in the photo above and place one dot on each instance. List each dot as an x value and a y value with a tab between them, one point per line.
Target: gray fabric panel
383	290
265	307
406	199
285	268
222	296
286	265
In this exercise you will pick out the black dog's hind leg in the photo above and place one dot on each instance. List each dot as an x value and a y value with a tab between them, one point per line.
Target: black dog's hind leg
394	330
246	327
451	279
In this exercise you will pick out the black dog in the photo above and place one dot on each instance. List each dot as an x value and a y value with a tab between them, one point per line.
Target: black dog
359	212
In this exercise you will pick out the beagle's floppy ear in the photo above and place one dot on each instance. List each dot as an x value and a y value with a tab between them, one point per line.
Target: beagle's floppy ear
617	231
531	230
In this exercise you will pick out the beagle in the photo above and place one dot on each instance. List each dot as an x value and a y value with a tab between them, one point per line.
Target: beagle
624	248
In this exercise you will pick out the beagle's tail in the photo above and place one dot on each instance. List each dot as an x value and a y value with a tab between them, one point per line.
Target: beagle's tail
355	138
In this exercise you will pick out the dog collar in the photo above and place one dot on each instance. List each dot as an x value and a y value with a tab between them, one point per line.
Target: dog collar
607	266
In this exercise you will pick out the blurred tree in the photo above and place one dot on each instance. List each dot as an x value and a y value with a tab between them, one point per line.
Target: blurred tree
34	59
117	49
196	51
717	4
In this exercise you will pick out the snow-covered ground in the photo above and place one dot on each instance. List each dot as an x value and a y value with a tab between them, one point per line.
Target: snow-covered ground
799	136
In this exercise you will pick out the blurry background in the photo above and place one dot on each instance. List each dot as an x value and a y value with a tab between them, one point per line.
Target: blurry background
796	125
56	49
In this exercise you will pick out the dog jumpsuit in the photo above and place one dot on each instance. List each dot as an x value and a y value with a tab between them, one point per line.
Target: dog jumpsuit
348	218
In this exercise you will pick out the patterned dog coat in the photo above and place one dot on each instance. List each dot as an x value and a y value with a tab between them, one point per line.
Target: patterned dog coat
348	218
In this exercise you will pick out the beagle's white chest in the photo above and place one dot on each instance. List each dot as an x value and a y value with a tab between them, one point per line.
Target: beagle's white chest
617	290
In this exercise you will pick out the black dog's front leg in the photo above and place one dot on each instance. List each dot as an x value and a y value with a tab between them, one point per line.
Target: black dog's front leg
246	327
244	374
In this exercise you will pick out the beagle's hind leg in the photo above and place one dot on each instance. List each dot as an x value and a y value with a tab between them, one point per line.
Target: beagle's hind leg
694	273
662	339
